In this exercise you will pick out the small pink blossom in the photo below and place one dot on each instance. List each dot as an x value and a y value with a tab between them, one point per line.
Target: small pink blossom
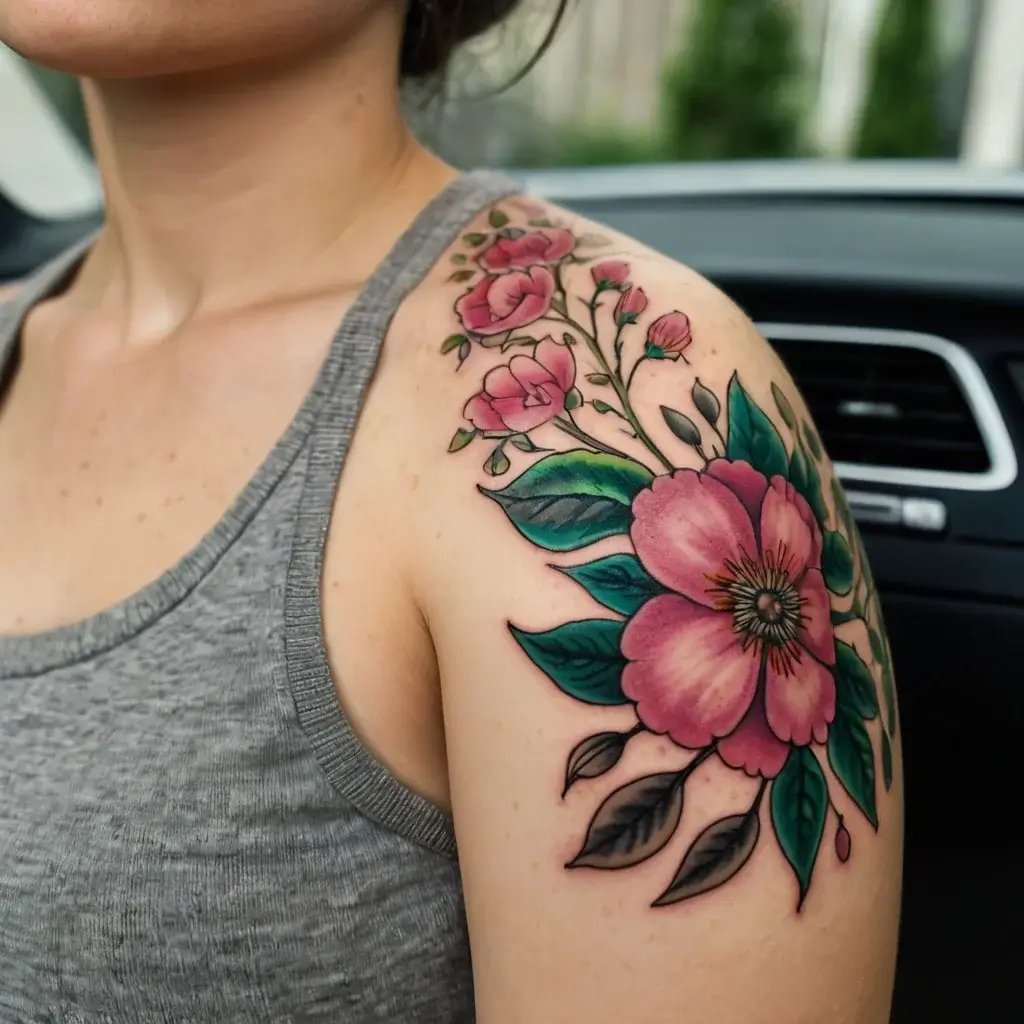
671	333
741	651
544	246
527	392
507	301
632	302
610	273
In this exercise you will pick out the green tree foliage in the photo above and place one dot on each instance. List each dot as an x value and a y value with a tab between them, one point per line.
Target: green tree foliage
737	89
900	115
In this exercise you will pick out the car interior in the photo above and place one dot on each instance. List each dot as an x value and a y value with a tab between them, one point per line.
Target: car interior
896	298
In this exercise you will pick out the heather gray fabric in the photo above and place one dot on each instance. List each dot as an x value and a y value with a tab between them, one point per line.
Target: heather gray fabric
189	829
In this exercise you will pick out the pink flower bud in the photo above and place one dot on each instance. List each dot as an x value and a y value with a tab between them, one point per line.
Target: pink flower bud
671	333
843	843
610	273
632	302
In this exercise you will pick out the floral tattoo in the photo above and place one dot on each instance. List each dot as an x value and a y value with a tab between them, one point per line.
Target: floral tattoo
736	582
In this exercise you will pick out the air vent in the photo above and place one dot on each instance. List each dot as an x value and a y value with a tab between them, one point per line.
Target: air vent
898	407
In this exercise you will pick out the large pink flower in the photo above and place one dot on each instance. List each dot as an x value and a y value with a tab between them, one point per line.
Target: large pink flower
527	392
742	651
547	246
505	302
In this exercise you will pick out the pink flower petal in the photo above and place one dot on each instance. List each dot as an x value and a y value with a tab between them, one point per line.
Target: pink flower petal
800	697
525	413
529	372
480	413
753	747
500	383
744	481
560	243
815	631
559	361
785	535
507	294
686	527
687	671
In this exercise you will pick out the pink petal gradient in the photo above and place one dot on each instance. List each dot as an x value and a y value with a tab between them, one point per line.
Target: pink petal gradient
800	698
744	481
815	631
523	414
480	413
502	383
498	304
558	360
686	527
546	246
784	532
529	373
687	672
753	747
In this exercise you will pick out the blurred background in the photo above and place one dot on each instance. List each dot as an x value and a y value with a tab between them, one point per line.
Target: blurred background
640	81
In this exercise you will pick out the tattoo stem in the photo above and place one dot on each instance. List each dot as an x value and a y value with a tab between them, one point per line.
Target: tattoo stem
632	373
570	428
755	806
697	762
616	381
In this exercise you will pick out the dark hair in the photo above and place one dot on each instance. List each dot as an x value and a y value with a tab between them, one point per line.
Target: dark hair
434	30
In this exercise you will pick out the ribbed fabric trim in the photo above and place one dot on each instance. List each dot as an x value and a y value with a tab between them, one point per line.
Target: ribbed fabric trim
349	766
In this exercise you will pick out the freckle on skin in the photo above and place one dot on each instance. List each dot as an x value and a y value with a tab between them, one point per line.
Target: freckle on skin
99	503
84	465
415	481
515	805
141	517
63	492
172	456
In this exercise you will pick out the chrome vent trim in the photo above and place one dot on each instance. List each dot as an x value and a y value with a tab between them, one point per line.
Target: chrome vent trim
1002	471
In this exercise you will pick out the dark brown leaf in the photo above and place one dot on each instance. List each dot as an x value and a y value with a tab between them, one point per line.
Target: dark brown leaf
713	858
633	823
594	756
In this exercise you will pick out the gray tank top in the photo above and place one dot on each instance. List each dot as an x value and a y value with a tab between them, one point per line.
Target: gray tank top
190	831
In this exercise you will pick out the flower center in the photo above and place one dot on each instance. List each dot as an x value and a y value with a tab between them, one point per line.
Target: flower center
763	600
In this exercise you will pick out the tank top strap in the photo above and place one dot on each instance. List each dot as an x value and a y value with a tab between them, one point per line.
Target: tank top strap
349	766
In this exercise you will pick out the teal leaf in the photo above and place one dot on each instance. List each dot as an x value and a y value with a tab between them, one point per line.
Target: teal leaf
855	686
853	759
886	761
889	694
571	499
619	582
752	436
799	804
836	562
581	658
803	474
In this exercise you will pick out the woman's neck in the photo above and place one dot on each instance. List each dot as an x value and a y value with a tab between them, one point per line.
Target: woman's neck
242	188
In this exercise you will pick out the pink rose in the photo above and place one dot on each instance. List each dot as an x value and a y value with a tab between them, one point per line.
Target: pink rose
503	303
632	302
671	333
546	246
527	392
742	651
610	273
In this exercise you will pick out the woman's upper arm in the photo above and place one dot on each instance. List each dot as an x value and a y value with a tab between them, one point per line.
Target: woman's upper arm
670	715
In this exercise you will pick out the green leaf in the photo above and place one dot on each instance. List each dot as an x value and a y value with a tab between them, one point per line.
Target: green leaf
498	463
524	444
785	409
803	474
877	646
889	694
540	222
841	618
601	406
460	439
573	399
581	658
799	804
599	378
855	686
886	761
682	426
571	499
812	439
497	219
836	562
475	238
559	306
853	759
461	275
452	342
459	257
752	436
618	582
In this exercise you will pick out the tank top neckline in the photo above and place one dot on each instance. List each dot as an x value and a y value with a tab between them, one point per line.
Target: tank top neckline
357	340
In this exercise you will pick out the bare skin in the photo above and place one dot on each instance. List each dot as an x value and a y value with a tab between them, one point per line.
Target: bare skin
239	232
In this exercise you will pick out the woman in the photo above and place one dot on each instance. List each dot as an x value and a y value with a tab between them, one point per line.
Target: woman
570	599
